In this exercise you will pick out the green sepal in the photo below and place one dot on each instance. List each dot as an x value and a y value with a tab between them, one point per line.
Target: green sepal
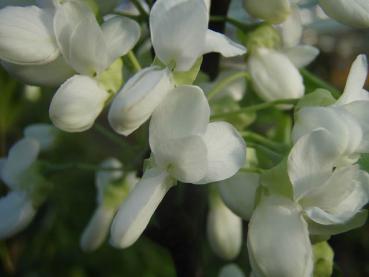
112	78
188	77
115	193
276	180
323	260
319	97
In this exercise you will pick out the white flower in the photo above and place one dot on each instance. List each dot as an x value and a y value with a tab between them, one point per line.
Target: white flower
354	13
325	200
346	119
185	147
224	229
278	240
272	11
274	76
17	208
180	36
111	191
89	49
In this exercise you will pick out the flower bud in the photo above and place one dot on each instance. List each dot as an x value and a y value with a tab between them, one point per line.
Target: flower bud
77	104
224	230
272	11
274	76
354	13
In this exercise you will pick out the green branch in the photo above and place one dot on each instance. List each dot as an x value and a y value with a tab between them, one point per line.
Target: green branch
319	82
225	82
134	61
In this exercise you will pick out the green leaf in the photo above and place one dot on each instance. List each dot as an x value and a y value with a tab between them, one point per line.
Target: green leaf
112	78
323	260
320	97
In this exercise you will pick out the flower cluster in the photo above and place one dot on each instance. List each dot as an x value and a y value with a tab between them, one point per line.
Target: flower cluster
314	186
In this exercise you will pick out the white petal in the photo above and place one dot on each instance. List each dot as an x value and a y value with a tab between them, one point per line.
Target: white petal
26	36
278	240
97	229
354	13
291	29
178	29
311	161
140	96
105	178
340	198
183	158
136	211
226	152
121	34
239	193
80	38
20	157
184	112
272	11
301	55
355	82
77	103
217	42
16	212
224	230
274	76
50	74
342	126
231	270
45	134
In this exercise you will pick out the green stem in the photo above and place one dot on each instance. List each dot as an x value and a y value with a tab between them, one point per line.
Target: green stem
140	8
76	165
252	170
279	147
319	82
110	135
238	24
256	108
225	82
269	152
131	16
135	63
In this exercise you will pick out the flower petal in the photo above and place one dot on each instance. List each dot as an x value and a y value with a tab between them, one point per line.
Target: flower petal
184	112
272	11
217	42
77	103
354	13
26	36
121	34
278	240
340	198
224	230
231	270
226	152
140	96
291	29
97	229
137	209
311	161
50	74
20	157
45	134
274	76
80	38
345	129
183	158
355	82
301	55
178	29
239	193
16	212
